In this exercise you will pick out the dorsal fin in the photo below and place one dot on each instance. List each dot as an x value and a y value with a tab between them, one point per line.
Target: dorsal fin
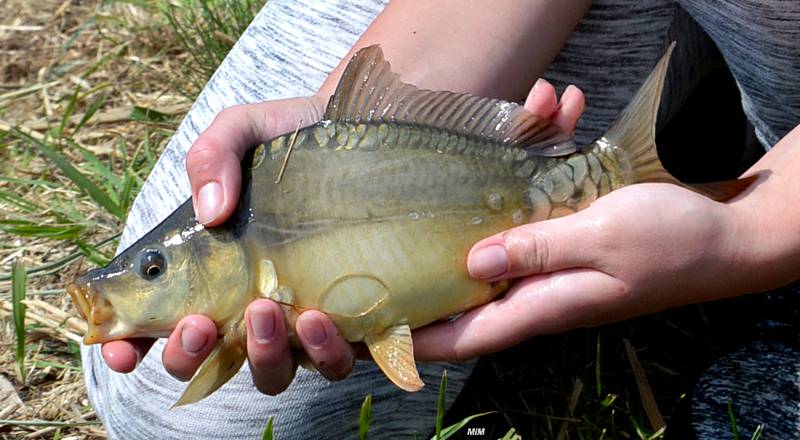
369	91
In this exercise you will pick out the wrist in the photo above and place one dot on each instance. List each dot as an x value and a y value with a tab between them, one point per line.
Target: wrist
765	241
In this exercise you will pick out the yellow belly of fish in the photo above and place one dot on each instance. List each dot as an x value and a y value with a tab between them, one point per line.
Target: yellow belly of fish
368	277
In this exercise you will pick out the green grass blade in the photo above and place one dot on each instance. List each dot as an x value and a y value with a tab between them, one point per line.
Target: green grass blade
68	112
512	435
31	229
758	432
32	182
267	434
93	108
73	174
93	254
125	196
144	114
19	202
19	278
454	428
732	417
440	405
96	166
658	434
365	417
637	427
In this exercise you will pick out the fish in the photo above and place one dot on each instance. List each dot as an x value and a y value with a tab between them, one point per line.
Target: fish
368	216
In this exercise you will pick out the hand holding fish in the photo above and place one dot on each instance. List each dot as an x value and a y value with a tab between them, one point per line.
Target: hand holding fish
639	250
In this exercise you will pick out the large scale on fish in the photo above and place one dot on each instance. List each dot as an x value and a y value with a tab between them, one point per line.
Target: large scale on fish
368	216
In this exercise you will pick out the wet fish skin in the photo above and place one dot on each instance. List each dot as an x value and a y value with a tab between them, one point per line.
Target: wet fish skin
367	216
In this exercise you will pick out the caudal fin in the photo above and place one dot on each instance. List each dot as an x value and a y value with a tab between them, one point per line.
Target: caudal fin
634	132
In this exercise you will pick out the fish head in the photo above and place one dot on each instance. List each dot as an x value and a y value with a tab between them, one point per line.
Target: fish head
176	269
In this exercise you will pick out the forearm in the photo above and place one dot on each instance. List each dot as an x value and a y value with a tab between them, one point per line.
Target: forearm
493	49
767	237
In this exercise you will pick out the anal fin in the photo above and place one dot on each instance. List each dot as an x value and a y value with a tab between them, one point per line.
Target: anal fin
393	351
219	367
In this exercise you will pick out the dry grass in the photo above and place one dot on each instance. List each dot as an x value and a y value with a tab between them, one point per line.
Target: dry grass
59	58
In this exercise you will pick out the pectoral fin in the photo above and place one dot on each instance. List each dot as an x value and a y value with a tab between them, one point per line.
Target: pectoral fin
219	367
393	351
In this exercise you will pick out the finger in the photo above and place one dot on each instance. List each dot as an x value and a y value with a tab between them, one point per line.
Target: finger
542	304
213	162
123	356
542	100
569	109
188	345
271	361
333	356
541	247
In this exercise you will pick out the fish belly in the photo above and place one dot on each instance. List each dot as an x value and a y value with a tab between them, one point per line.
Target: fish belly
368	277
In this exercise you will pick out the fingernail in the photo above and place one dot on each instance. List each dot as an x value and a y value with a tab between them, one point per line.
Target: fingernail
315	333
210	201
536	85
539	82
262	320
192	339
570	88
488	262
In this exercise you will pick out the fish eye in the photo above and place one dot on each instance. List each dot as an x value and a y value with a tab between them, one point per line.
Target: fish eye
151	264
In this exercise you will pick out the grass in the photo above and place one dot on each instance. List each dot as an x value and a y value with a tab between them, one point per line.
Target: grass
90	94
207	30
19	277
365	418
757	432
441	433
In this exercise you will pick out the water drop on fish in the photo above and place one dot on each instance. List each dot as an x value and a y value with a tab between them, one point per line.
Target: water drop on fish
518	217
494	201
476	220
414	215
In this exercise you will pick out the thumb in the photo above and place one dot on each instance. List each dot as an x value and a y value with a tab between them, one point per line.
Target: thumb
534	248
214	161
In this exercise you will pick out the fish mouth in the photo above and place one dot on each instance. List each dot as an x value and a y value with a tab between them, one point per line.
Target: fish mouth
94	309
